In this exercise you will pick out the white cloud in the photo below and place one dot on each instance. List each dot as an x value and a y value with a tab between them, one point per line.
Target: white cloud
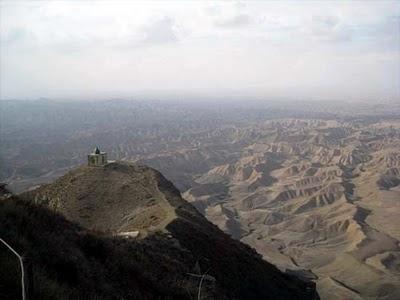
234	21
294	49
160	32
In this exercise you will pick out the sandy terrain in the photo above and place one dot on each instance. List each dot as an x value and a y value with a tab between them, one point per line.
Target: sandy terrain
322	197
314	188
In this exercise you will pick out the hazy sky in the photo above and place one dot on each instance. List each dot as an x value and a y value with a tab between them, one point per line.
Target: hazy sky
317	50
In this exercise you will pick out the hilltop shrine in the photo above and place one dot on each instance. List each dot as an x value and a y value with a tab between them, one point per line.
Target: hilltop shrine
97	158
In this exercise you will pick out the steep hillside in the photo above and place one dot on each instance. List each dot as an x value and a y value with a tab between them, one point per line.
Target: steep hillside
175	245
313	188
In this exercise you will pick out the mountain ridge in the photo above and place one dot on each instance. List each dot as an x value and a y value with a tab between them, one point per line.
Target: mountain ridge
185	240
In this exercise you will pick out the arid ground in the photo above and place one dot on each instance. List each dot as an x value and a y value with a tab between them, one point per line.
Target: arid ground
314	188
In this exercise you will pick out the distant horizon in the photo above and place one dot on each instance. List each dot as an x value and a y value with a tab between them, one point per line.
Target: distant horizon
297	50
202	99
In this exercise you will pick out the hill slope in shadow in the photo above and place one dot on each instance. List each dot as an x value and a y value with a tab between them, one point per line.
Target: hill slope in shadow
68	232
